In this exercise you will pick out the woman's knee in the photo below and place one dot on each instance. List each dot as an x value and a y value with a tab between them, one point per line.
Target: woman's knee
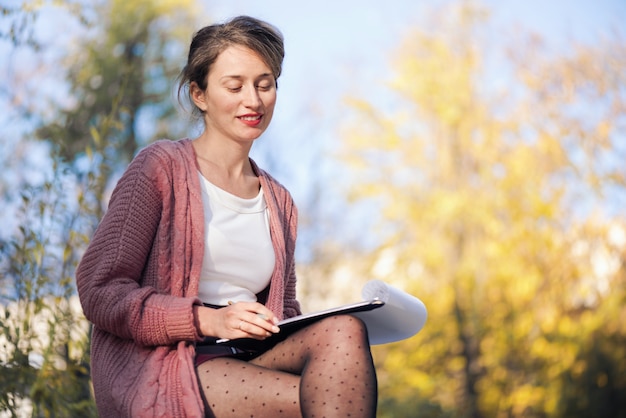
345	328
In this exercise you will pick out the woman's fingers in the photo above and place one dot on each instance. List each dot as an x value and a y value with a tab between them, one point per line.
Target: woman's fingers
253	319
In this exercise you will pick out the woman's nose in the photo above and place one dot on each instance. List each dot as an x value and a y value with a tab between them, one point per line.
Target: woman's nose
251	98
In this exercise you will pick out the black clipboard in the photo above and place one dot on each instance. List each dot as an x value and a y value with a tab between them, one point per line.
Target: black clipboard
290	325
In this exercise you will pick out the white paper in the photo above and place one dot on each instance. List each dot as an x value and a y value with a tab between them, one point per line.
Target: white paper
402	316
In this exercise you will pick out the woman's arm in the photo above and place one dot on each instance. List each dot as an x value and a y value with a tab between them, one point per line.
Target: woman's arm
109	277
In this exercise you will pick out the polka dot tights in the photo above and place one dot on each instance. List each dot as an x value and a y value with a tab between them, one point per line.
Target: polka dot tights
322	371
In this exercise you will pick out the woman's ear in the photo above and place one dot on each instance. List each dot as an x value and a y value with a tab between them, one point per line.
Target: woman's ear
198	96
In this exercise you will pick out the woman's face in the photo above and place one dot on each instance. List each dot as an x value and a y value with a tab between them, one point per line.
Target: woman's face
239	100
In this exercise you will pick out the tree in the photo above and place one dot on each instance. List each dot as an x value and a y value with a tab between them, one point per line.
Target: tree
118	80
496	211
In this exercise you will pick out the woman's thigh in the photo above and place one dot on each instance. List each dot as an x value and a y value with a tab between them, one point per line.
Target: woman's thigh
336	337
236	388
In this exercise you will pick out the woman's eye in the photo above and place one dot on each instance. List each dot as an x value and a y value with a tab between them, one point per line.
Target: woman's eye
264	87
234	89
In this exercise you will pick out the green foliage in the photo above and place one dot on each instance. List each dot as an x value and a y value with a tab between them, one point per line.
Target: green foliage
122	70
45	337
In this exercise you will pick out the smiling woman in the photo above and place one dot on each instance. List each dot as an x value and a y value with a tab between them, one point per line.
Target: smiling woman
238	100
198	245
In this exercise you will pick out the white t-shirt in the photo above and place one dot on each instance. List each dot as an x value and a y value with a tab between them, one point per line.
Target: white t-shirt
238	252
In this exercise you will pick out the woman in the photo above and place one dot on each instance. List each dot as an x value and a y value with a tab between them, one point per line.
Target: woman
197	245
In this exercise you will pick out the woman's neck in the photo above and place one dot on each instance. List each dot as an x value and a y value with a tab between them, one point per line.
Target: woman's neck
227	165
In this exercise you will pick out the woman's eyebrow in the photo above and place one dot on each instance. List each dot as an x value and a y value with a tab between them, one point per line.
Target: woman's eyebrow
239	77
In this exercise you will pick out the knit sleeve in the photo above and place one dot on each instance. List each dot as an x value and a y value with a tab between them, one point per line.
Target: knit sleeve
291	305
109	276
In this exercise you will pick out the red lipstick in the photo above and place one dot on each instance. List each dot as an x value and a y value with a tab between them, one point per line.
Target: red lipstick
251	119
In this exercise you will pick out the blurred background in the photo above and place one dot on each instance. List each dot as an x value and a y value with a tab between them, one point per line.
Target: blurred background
471	153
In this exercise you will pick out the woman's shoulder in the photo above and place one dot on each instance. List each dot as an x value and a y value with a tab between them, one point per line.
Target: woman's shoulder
161	162
167	148
165	153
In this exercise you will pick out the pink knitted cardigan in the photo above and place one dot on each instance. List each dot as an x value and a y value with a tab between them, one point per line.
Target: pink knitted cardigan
138	282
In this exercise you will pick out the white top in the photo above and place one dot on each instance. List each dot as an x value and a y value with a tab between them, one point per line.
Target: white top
238	252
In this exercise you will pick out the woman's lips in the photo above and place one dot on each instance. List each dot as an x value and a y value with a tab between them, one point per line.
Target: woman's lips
251	120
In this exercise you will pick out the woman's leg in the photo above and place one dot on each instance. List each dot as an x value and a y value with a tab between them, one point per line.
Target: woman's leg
323	370
235	388
333	357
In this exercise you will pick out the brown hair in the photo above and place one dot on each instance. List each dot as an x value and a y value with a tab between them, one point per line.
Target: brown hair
210	41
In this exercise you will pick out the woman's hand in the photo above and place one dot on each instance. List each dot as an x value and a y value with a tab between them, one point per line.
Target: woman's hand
238	320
